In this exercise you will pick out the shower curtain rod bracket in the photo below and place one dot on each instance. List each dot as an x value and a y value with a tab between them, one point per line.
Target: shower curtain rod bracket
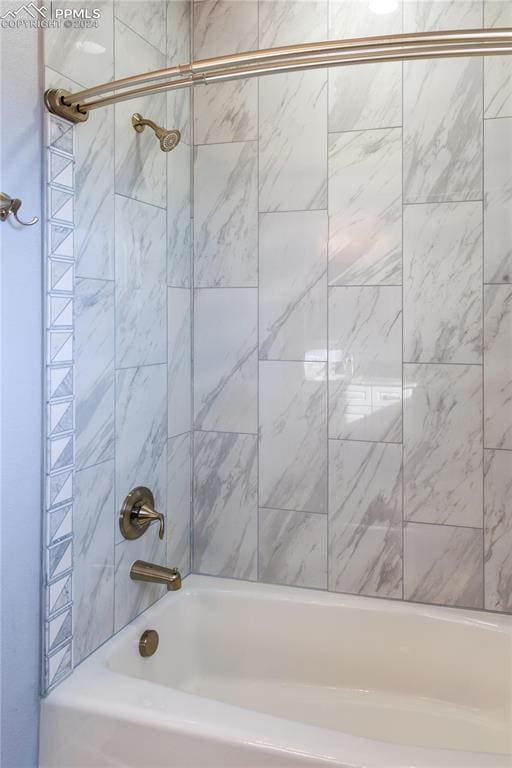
74	113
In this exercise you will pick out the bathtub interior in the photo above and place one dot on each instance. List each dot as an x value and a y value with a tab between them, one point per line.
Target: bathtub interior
414	675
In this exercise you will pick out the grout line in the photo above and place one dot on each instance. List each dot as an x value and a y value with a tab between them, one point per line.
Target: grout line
258	521
482	241
142	202
144	39
403	327
443	525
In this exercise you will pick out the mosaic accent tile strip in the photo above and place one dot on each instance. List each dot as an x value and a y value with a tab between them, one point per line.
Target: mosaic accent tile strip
60	404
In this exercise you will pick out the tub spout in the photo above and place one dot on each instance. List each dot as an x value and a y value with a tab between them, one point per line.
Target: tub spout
158	574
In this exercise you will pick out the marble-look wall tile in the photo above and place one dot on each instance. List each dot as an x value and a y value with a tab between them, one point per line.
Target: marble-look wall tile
442	106
365	208
443	283
94	371
94	196
93	577
225	504
146	17
365	518
498	530
290	22
497	69
179	502
498	200
225	111
225	215
293	548
178	31
365	363
140	163
443	444
293	116
368	95
140	284
293	286
179	212
141	432
84	54
443	565
225	359
179	366
133	597
435	15
179	52
293	436
498	366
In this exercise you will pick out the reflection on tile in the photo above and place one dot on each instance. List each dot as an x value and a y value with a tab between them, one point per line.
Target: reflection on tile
140	163
293	285
84	54
293	115
94	371
443	444
147	18
293	432
141	431
443	283
179	490
179	364
293	548
498	530
498	366
443	565
442	130
225	359
365	207
225	111
369	95
498	200
133	597
225	215
225	504
365	363
497	69
179	224
94	194
140	283
365	518
94	521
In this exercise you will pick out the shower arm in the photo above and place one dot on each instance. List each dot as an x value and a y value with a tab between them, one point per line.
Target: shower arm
75	107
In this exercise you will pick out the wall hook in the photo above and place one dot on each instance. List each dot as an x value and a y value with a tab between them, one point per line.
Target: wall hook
11	205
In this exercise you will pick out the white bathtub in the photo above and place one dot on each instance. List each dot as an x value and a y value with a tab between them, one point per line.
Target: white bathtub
256	675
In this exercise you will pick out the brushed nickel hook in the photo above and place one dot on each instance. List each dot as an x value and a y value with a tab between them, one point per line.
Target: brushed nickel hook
168	139
10	206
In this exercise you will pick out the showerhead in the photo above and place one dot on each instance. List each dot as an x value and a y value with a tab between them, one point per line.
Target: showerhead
169	139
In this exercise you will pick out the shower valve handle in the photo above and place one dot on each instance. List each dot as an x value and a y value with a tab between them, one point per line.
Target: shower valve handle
138	512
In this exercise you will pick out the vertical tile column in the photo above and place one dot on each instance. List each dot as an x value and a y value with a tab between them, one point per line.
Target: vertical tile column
292	542
443	315
365	313
225	269
60	403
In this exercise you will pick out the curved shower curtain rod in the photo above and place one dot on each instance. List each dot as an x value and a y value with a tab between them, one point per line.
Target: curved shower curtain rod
75	107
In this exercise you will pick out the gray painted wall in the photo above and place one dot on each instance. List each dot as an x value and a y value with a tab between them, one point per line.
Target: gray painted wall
20	390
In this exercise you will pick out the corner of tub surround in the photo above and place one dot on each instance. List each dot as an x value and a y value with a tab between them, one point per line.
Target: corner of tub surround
59	415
